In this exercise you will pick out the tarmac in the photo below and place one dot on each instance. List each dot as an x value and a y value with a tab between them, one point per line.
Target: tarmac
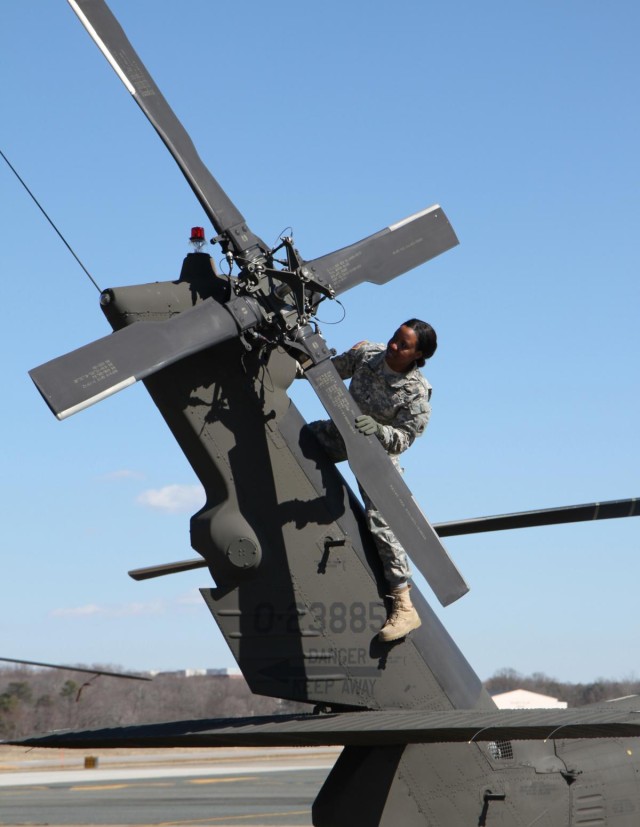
29	774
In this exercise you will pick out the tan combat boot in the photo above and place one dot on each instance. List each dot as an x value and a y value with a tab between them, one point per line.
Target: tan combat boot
402	619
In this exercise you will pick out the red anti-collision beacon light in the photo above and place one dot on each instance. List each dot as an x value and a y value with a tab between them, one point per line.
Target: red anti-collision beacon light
197	239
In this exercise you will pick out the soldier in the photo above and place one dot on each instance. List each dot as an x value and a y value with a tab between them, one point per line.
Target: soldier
393	396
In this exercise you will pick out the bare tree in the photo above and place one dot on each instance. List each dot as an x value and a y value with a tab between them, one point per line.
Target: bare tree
39	700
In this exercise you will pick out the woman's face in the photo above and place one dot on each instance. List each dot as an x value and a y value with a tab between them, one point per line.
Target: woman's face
402	350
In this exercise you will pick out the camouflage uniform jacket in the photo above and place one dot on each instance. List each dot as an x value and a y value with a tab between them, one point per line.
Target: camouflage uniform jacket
397	401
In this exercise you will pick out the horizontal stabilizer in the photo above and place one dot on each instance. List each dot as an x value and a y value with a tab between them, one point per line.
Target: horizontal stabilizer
383	728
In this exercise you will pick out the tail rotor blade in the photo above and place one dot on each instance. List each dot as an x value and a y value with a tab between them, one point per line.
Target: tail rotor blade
377	474
108	35
388	253
83	377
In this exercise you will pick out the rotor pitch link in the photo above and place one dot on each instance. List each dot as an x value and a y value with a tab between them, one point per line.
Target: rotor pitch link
297	279
302	278
298	290
85	376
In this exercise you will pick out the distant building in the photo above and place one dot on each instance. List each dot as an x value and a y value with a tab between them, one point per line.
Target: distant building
224	673
193	672
523	699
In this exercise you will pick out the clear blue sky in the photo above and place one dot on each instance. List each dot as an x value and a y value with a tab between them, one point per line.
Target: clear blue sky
521	119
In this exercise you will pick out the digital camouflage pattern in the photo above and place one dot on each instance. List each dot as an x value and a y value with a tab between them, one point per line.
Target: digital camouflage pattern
399	402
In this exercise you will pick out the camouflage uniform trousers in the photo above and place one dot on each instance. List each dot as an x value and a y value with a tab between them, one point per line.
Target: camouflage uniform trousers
394	558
